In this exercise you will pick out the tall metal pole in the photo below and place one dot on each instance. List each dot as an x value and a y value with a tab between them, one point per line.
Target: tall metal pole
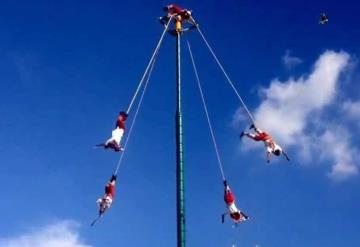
180	195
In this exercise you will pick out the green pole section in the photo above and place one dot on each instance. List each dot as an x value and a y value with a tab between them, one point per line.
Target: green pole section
180	195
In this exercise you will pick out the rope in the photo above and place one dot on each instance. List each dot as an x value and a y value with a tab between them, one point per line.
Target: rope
227	77
206	112
135	115
148	66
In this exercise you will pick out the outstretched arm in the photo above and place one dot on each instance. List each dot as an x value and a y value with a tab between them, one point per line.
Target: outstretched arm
223	217
244	215
286	156
268	157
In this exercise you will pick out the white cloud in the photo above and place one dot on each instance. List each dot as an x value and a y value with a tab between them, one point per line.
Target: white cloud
288	105
335	142
61	234
292	112
290	61
352	109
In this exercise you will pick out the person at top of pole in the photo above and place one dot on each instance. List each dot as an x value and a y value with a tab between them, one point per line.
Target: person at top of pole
114	141
175	10
235	214
105	202
323	19
271	146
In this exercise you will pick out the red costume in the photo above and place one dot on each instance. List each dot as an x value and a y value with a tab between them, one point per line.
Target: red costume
117	134
229	197
174	9
234	212
263	136
110	190
271	146
120	122
105	202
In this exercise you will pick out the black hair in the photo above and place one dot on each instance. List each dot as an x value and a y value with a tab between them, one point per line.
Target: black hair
122	113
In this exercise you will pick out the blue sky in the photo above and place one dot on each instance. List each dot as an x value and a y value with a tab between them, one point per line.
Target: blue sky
66	69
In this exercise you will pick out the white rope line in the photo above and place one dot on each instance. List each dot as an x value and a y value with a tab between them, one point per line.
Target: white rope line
227	77
148	66
206	113
135	115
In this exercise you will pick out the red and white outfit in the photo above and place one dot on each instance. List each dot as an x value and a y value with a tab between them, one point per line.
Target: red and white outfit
117	133
106	201
174	10
234	212
270	145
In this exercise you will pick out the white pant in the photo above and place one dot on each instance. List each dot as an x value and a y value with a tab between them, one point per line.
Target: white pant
233	209
116	136
104	202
